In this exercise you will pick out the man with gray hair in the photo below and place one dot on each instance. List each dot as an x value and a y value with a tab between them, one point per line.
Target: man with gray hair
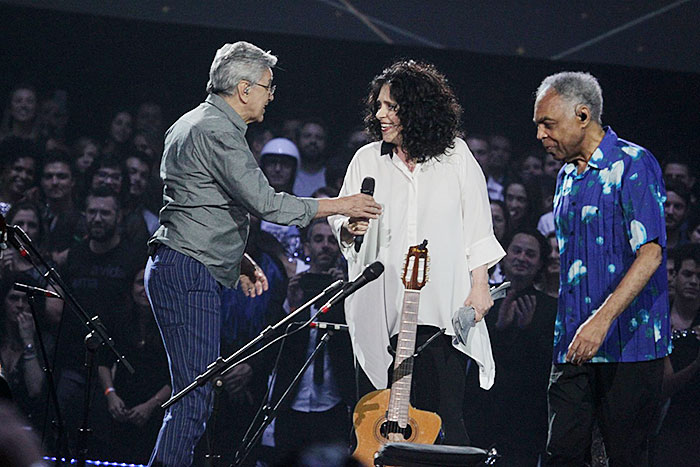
612	329
211	186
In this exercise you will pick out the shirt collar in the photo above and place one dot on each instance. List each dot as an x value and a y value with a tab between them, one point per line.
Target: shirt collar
218	102
387	149
603	156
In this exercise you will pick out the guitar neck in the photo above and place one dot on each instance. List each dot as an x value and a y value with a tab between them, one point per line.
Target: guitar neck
399	401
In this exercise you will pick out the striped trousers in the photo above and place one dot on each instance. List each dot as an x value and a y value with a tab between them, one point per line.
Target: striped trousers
186	302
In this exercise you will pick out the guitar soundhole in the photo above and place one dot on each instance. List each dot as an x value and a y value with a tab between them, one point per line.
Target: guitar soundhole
393	427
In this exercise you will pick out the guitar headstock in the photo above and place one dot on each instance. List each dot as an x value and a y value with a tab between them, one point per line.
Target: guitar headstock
415	267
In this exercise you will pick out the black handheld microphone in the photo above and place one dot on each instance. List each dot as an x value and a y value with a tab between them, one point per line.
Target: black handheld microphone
367	189
370	273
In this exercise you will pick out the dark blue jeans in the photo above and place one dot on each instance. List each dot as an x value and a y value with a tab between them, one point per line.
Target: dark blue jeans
186	302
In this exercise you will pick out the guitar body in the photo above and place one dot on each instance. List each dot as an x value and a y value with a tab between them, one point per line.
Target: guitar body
370	421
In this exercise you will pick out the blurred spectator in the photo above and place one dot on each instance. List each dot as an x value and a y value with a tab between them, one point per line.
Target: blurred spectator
676	443
20	115
99	273
552	267
513	413
290	129
85	152
18	447
547	186
499	159
257	137
499	217
524	204
17	171
139	221
64	223
479	146
279	161
323	396
26	215
552	166
678	170
121	127
108	171
357	138
676	213
19	353
149	117
53	120
133	401
532	165
694	227
312	145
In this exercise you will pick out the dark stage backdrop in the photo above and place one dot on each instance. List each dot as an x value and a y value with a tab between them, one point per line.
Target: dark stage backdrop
107	64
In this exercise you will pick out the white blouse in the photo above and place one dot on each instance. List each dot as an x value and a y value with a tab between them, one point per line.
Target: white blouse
444	201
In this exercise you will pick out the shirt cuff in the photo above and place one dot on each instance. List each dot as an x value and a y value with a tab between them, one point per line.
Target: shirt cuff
485	251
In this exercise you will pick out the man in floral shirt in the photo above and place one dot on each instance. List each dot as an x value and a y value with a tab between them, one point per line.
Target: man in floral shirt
612	328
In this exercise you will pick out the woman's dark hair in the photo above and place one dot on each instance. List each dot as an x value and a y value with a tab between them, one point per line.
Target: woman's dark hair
27	206
428	110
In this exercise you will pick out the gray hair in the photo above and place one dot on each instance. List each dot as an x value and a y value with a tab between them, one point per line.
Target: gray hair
576	87
233	63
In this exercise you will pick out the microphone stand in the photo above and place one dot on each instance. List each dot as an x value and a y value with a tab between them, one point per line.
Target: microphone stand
221	365
97	334
48	371
270	414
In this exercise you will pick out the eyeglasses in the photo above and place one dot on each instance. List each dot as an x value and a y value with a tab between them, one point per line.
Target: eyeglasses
270	88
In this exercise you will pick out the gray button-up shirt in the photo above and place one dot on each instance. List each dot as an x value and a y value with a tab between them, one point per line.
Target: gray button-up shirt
211	183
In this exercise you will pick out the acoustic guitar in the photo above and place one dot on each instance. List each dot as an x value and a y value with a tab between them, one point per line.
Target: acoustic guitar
387	415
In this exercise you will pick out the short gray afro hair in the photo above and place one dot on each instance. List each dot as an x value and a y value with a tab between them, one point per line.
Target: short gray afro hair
233	63
576	87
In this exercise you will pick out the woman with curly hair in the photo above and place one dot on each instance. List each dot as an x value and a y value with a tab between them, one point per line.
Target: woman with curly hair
431	188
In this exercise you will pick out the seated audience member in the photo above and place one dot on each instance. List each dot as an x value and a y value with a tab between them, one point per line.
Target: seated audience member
26	215
335	175
20	116
20	360
139	221
694	227
18	446
551	167
134	401
354	140
499	217
513	413
243	318
547	185
679	170
121	128
99	272
257	137
64	223
325	392
17	172
85	152
532	165
671	273
150	143
312	144
290	129
108	172
53	120
524	204
500	155
279	160
479	146
676	443
552	268
676	214
149	117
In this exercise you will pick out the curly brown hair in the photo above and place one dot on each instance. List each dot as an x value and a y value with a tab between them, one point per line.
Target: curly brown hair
428	110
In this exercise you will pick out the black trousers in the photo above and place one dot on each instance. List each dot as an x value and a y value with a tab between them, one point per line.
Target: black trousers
439	375
623	398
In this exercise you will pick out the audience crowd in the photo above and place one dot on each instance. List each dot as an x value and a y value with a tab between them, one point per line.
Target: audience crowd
89	205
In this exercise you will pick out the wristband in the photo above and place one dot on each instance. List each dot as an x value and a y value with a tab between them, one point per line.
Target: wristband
109	389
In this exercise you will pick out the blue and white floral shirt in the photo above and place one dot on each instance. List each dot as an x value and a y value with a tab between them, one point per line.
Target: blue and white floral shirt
602	217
